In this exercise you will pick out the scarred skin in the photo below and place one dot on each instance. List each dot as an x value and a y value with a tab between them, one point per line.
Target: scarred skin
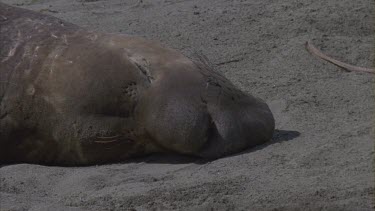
69	96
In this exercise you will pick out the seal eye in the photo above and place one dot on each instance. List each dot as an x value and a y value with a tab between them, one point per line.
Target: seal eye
116	108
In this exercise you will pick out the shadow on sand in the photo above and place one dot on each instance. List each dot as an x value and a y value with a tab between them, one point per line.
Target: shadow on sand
278	137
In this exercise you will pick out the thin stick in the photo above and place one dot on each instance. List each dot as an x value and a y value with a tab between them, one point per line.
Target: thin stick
313	50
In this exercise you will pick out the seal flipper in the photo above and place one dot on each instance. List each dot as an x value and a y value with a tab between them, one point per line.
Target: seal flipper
95	139
75	140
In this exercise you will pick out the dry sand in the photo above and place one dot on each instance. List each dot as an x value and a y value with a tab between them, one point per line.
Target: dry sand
321	157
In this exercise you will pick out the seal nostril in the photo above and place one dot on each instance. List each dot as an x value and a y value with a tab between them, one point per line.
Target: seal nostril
211	131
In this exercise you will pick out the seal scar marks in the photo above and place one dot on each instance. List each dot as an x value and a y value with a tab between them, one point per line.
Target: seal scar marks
12	51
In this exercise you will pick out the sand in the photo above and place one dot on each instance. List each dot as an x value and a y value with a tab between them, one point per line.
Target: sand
322	154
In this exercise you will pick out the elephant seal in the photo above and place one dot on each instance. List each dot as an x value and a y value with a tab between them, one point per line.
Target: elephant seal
70	96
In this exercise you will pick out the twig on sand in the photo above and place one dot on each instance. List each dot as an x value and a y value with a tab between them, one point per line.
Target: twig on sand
313	50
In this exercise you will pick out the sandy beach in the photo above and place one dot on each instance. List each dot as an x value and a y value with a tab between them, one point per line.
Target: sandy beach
322	154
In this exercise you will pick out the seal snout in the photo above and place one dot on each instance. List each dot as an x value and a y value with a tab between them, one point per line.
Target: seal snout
184	114
237	125
173	114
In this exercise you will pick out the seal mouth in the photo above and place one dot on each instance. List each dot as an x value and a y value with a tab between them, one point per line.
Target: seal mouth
113	139
107	139
210	137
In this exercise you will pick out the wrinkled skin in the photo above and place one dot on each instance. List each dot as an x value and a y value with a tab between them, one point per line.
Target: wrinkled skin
74	97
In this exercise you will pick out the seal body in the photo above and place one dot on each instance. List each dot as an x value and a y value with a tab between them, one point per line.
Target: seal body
69	96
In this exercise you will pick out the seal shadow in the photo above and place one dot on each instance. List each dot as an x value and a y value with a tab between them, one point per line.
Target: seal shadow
279	136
